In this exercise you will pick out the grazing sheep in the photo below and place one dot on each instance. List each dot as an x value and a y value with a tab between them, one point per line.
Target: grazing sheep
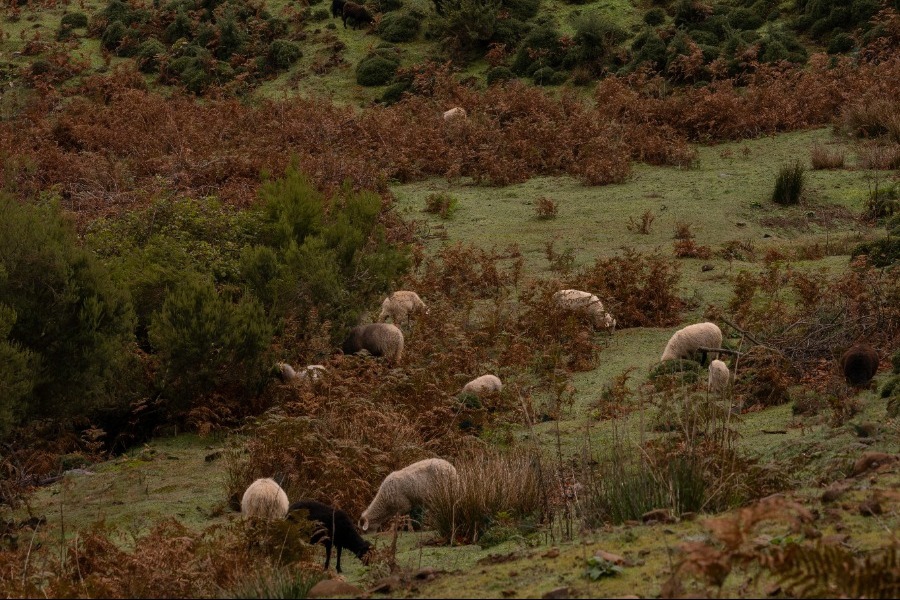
585	303
403	489
689	340
264	499
400	305
859	364
718	376
309	373
337	8
457	112
380	339
358	13
339	532
483	385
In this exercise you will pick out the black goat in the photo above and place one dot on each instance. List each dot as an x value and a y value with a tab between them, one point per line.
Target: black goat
339	531
337	8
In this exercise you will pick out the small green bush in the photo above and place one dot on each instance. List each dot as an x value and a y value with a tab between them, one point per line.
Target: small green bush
882	253
840	43
74	20
205	341
499	75
375	70
319	15
398	27
681	370
180	27
113	36
394	92
596	38
655	16
64	320
789	184
284	53
648	48
744	18
547	76
149	53
386	6
522	9
891	387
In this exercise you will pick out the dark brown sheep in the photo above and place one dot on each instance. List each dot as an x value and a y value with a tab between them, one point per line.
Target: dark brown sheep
859	364
358	13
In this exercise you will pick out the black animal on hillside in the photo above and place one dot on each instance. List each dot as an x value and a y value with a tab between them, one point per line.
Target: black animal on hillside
357	13
339	531
337	8
859	364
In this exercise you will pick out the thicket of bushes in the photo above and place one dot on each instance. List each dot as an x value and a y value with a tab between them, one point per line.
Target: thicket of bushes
197	44
180	300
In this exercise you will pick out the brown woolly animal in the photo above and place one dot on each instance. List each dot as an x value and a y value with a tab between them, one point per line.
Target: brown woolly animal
400	305
690	339
357	13
380	339
402	490
718	376
264	499
457	112
859	364
483	385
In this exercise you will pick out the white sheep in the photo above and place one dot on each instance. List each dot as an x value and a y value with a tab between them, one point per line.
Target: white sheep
457	112
718	376
264	499
400	305
690	339
308	374
483	385
403	489
585	303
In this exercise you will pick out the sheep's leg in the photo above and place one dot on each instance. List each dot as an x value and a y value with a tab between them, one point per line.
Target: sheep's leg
339	549
328	554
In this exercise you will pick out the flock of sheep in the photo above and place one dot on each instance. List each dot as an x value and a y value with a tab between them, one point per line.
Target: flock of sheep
402	490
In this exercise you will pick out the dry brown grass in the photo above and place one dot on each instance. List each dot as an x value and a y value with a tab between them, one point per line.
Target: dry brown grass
821	157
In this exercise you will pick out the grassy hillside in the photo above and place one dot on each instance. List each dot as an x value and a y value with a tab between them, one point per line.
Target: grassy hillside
193	191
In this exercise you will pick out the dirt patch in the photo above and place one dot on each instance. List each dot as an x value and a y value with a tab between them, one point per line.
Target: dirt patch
805	216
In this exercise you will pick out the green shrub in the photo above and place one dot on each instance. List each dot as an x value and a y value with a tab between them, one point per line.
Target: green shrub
540	48
113	36
471	24
840	43
744	18
441	204
499	75
394	92
688	12
231	39
596	38
386	6
546	76
681	370
655	16
375	70
179	28
205	341
398	27
882	253
284	53
891	387
17	372
63	314
74	20
149	53
789	184
319	15
648	48
522	9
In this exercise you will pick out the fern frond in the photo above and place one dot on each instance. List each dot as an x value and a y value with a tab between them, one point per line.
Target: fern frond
819	570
